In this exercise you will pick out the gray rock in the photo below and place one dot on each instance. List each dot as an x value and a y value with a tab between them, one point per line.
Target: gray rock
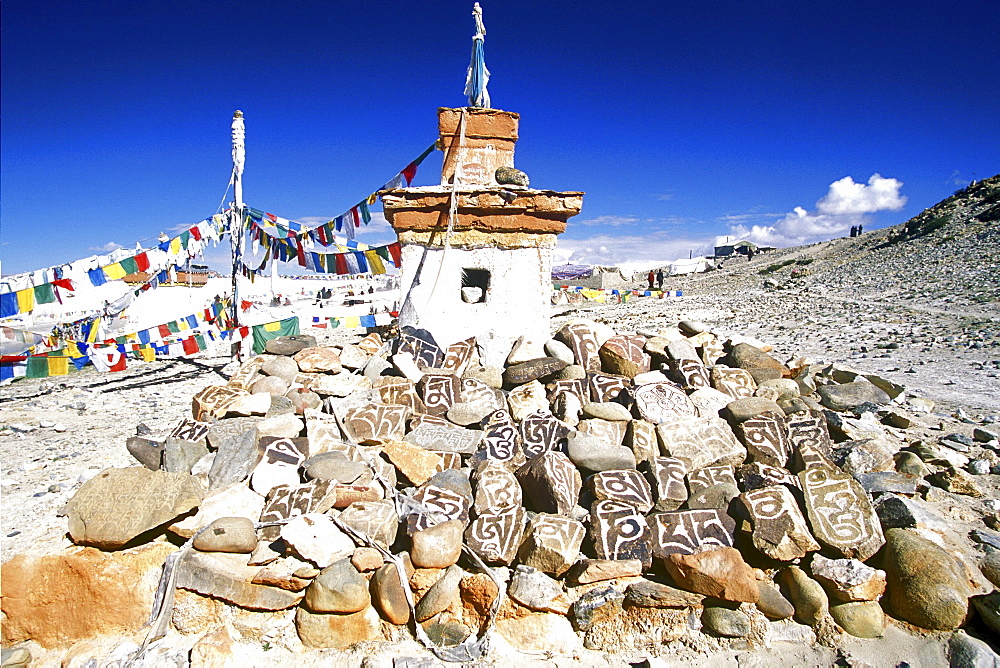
741	410
692	327
289	345
925	585
862	619
338	588
283	405
988	607
805	594
584	611
594	454
147	451
272	385
773	604
228	534
986	434
235	441
714	496
536	590
441	594
965	651
990	566
334	465
376	367
571	372
280	367
608	410
490	375
180	456
227	577
725	622
559	350
647	594
466	413
511	176
907	462
847	396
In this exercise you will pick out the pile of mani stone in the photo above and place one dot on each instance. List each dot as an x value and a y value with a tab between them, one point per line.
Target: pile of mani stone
619	490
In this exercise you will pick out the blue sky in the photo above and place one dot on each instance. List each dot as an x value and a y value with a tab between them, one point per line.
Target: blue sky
683	122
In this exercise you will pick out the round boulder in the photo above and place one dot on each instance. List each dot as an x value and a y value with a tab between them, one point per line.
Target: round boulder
228	534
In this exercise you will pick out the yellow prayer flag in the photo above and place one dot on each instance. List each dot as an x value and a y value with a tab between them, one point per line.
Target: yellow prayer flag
372	198
26	300
272	327
58	366
132	337
148	354
182	324
114	271
175	245
350	322
375	262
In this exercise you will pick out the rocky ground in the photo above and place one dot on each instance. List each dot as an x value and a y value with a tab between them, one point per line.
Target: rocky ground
917	305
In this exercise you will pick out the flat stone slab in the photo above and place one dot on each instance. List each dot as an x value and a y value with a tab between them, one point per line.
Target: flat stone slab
227	577
119	504
445	438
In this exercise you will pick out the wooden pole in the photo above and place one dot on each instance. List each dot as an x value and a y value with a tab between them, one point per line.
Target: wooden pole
236	222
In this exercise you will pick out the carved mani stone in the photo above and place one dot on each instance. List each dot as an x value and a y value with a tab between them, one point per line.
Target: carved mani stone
421	346
445	438
541	431
496	536
191	430
809	442
577	386
213	401
779	529
704	478
433	505
288	501
438	392
247	373
551	483
551	543
686	531
756	475
458	355
662	402
608	431
690	374
497	489
376	422
840	513
666	477
701	442
641	438
737	383
582	340
766	439
605	387
399	391
619	531
501	439
280	463
627	486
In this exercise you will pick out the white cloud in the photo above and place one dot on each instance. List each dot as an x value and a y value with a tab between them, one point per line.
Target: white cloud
845	204
608	221
107	248
847	197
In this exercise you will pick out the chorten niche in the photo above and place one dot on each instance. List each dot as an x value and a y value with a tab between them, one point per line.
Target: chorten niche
477	249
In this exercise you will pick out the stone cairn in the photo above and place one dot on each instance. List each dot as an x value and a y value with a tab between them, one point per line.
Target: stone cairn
622	489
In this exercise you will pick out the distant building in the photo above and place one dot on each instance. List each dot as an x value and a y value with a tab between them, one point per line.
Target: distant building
740	248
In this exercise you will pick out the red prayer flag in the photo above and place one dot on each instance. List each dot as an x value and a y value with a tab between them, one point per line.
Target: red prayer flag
396	253
63	283
245	305
301	252
196	233
163	330
356	216
409	172
273	217
190	345
141	262
341	263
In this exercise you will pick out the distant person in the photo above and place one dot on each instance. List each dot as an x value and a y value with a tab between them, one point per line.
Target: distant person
750	253
860	227
651	278
854	231
659	278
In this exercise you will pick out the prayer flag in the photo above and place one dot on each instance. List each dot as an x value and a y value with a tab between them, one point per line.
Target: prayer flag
44	294
375	262
58	366
114	271
190	346
192	321
362	261
26	300
8	304
97	276
396	253
264	333
129	265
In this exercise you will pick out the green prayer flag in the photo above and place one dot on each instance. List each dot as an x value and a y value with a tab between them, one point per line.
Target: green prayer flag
264	333
44	294
173	327
129	265
38	367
